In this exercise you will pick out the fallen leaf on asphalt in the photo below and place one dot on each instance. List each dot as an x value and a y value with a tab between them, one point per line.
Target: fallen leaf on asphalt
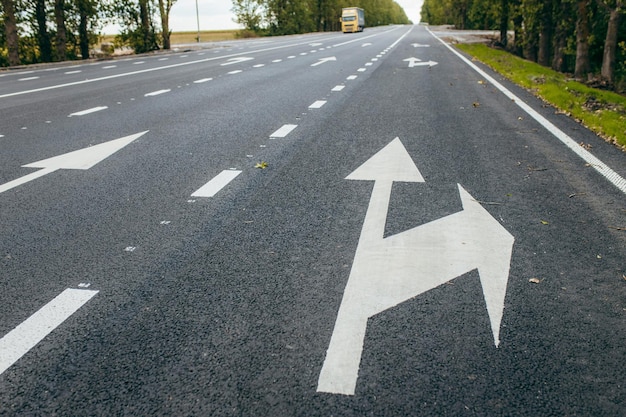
261	165
534	280
475	104
544	222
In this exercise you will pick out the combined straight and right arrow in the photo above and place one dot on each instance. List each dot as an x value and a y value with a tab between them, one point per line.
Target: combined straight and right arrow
389	270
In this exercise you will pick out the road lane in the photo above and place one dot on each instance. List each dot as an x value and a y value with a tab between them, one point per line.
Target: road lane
226	305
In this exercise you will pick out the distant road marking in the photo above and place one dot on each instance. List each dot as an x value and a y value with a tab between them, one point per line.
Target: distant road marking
139	62
362	69
352	77
258	66
216	184
72	72
277	60
156	93
109	67
27	335
203	80
28	78
283	131
88	111
603	169
318	104
235	72
338	88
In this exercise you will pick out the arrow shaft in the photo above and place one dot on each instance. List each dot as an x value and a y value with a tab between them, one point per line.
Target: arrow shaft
26	178
376	217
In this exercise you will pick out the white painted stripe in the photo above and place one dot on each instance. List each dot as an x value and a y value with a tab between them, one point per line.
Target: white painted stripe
32	331
204	80
109	67
216	184
235	72
283	131
277	60
362	69
26	178
603	169
338	87
368	64
163	59
258	65
318	104
92	110
139	62
352	77
72	72
28	78
156	93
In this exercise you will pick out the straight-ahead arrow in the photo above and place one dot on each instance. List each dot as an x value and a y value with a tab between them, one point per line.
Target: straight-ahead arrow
323	60
81	159
415	62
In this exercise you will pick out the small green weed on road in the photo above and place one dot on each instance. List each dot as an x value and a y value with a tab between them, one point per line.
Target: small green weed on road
602	111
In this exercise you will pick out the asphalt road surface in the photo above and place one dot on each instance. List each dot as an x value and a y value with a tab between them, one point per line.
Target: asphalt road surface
327	224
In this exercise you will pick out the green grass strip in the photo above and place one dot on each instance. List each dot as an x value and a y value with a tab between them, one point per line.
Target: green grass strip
604	112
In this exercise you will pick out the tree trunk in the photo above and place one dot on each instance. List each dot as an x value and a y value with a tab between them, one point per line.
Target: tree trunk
583	65
61	41
43	37
164	10
10	28
144	16
504	22
610	45
83	31
561	34
546	32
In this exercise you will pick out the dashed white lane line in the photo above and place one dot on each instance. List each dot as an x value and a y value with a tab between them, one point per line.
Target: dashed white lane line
283	131
203	80
318	104
216	184
352	77
27	335
28	78
72	72
156	93
139	62
88	111
338	88
235	72
109	67
258	66
362	69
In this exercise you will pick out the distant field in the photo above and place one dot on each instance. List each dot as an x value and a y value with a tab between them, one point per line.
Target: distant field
191	37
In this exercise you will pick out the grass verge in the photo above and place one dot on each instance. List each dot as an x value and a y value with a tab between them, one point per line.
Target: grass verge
602	111
177	38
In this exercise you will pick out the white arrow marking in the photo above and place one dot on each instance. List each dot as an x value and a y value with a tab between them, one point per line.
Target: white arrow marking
388	271
324	60
415	62
24	337
419	45
80	159
236	60
88	111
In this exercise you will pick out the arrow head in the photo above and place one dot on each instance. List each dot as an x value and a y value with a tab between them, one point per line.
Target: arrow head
392	163
87	157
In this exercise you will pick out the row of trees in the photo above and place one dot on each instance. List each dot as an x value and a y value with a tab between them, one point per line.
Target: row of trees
583	37
56	30
285	17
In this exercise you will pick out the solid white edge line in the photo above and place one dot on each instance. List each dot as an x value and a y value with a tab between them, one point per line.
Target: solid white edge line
27	335
217	183
603	169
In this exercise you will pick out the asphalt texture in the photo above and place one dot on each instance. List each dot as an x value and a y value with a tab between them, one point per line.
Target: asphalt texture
226	305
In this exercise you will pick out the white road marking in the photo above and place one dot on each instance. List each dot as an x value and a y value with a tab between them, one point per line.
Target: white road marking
139	62
156	93
28	78
352	77
318	104
362	69
603	169
258	66
338	88
203	80
72	72
277	60
235	72
216	184
283	131
27	335
88	111
109	67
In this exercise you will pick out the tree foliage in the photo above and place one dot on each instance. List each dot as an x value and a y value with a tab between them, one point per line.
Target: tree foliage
583	37
286	17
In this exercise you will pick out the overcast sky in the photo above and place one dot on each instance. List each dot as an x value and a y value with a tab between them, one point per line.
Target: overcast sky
216	14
